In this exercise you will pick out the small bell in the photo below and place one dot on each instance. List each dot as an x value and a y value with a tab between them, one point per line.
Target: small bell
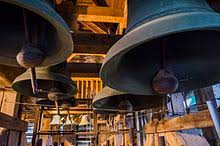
56	120
85	120
68	121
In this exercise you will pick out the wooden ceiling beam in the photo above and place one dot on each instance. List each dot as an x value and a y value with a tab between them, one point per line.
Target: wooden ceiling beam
84	67
12	123
115	3
200	119
96	28
99	14
93	43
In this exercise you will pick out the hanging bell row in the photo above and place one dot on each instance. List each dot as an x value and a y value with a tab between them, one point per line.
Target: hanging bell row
58	121
169	46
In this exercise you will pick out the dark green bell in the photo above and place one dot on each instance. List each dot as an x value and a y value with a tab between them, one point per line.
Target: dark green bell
69	102
109	100
50	36
179	36
48	78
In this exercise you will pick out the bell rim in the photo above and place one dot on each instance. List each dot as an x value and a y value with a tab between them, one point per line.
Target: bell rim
72	101
110	93
43	76
54	18
133	38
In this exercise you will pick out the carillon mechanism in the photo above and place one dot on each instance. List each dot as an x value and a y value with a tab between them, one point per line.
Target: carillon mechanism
53	80
169	46
109	101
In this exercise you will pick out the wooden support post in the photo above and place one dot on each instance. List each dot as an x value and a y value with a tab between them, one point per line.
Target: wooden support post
8	109
141	128
34	138
95	129
202	95
194	120
133	133
12	123
45	126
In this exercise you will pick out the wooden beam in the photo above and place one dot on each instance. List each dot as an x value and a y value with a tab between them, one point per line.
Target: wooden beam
115	3
72	111
99	14
92	13
12	123
123	25
100	3
96	28
93	43
83	67
194	120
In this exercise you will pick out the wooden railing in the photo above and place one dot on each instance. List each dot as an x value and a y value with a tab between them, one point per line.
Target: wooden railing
87	87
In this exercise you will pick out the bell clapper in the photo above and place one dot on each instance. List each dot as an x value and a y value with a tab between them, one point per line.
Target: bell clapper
53	94
34	80
57	107
125	106
29	56
165	81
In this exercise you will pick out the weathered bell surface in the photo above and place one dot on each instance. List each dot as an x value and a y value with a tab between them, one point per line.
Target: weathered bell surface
50	35
70	102
178	35
47	79
111	100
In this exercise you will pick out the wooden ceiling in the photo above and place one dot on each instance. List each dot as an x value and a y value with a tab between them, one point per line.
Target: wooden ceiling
97	16
95	24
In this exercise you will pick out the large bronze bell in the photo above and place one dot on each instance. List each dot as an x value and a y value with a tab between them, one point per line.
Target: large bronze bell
70	102
170	46
54	79
51	41
110	100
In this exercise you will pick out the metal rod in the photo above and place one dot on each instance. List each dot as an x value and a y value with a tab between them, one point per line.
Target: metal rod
83	132
40	120
215	116
162	53
184	98
171	103
28	38
34	80
27	29
57	107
